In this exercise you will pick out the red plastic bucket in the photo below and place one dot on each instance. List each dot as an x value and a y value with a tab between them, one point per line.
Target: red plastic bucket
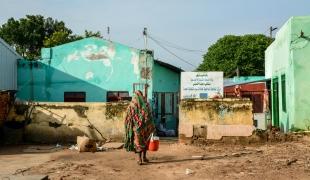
153	144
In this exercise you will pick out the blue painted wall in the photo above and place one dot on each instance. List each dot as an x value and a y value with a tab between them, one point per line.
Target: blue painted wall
91	65
94	66
166	80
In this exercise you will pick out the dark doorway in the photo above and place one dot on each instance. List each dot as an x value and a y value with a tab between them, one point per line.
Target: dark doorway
166	112
163	106
275	101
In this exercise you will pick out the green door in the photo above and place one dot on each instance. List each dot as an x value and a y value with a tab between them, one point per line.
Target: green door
275	101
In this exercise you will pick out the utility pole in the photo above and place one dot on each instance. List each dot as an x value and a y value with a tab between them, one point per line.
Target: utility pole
145	37
108	32
271	29
145	69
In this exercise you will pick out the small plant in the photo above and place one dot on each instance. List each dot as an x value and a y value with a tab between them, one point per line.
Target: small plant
295	129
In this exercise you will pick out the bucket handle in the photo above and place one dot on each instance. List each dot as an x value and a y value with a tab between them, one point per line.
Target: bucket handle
150	137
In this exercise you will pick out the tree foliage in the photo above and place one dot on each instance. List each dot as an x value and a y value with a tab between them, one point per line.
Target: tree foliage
29	34
61	37
57	38
245	53
92	34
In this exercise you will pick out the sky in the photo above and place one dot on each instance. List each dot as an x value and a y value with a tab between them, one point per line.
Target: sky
189	24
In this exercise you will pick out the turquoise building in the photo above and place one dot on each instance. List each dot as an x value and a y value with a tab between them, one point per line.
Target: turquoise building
98	70
287	64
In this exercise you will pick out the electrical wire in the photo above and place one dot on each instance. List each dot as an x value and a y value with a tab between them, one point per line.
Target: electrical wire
175	46
265	33
137	40
159	44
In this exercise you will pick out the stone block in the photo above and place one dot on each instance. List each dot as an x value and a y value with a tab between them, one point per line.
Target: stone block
216	132
186	129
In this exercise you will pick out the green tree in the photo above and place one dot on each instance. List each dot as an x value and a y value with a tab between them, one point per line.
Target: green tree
230	54
92	34
57	38
27	34
62	37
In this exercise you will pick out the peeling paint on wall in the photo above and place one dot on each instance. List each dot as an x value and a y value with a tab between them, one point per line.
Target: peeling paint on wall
220	111
91	65
62	122
89	75
94	53
221	117
73	57
224	110
135	62
145	73
96	56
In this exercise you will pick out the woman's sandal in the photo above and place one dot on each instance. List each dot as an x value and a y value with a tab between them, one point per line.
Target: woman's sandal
139	162
146	160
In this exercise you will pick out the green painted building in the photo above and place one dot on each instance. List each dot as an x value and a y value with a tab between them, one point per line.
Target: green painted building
287	64
98	70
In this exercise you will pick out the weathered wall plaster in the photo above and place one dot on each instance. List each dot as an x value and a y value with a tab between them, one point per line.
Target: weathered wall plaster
62	122
221	117
91	65
4	106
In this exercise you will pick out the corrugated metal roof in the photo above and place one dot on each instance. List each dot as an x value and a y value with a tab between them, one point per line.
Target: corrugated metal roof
170	66
250	81
8	66
10	48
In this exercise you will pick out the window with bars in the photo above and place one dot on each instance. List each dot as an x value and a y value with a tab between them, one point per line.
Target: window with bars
74	96
113	96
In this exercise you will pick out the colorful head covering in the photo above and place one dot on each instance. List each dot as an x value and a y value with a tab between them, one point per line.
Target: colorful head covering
139	124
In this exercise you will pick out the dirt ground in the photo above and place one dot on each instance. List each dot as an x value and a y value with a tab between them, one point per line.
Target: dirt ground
285	160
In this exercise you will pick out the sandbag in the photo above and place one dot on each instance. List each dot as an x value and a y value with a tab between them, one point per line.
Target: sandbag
85	144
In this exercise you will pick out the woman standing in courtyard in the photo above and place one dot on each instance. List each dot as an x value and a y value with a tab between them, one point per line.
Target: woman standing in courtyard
139	126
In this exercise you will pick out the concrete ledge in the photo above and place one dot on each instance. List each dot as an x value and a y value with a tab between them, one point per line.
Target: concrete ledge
216	132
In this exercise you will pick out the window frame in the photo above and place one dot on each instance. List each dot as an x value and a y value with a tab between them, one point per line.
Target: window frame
74	95
119	98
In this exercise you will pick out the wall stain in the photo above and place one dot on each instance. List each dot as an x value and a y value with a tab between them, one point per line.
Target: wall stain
145	72
115	109
96	56
80	110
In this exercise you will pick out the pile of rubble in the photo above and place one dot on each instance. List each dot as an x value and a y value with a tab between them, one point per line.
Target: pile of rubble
259	136
85	144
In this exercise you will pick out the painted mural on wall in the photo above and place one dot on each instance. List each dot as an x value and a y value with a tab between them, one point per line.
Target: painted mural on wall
201	85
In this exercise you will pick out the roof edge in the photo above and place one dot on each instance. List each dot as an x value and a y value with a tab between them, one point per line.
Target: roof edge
248	82
169	66
92	37
10	48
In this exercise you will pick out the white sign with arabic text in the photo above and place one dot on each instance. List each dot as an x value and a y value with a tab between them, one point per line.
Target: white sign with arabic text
201	85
